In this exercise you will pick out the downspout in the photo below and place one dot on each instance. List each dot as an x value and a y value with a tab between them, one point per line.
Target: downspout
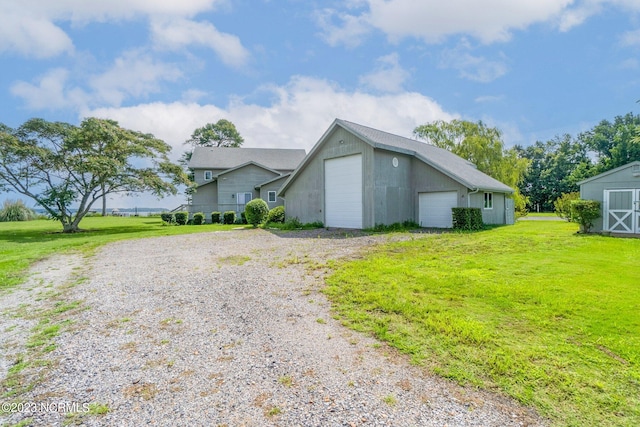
469	198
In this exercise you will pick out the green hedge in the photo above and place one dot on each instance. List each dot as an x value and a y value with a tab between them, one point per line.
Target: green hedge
468	219
167	217
182	218
215	217
229	217
198	218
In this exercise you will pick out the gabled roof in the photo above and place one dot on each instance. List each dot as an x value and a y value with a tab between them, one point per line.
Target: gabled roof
286	175
440	159
609	172
247	164
227	157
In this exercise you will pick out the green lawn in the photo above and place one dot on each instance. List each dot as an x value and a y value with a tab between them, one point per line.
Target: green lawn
534	310
22	243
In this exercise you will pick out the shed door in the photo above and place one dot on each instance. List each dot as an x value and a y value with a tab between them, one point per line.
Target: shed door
343	192
637	208
434	209
620	214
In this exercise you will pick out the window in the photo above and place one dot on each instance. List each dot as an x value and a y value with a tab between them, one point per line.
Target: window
488	200
271	196
208	175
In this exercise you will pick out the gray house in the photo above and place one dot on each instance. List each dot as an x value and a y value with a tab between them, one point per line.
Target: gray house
618	192
228	178
357	177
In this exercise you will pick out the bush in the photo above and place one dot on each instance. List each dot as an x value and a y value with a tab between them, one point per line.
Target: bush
229	217
276	214
584	212
562	205
468	219
256	212
292	224
167	217
15	210
182	218
215	217
396	226
242	219
198	218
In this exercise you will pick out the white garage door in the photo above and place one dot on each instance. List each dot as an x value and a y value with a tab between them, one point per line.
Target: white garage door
343	192
435	209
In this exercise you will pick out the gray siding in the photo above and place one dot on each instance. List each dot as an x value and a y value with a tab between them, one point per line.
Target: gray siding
489	216
393	201
205	200
273	186
305	197
243	180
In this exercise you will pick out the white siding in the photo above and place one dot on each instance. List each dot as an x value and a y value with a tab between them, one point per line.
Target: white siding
343	192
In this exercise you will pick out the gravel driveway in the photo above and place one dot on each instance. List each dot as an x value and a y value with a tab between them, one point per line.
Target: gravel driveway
222	329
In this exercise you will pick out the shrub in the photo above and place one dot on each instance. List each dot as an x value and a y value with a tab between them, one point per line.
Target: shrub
562	205
167	217
469	219
15	210
256	212
242	219
276	214
198	218
229	217
584	212
396	226
292	224
182	218
215	217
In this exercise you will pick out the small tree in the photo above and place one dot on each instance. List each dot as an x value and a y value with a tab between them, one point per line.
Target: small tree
256	211
562	205
584	212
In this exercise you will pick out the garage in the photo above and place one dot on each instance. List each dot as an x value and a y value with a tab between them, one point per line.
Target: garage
434	209
343	192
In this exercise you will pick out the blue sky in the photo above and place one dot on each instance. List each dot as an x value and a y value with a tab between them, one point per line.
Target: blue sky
283	70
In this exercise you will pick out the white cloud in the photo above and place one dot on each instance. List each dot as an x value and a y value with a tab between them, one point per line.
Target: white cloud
630	38
389	76
48	93
349	30
434	20
298	116
30	27
133	74
472	67
176	34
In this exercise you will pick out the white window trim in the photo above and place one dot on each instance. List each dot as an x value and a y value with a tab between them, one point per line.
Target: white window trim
484	201
210	173
269	197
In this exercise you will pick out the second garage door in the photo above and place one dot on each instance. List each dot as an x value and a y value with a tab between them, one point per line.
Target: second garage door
343	192
435	209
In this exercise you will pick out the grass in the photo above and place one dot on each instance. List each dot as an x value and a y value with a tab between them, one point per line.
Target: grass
23	243
544	315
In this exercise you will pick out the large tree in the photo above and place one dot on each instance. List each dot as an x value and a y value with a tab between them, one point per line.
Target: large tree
481	145
223	133
614	143
67	168
556	168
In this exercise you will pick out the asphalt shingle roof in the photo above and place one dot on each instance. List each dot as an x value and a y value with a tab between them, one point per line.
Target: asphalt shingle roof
445	161
227	157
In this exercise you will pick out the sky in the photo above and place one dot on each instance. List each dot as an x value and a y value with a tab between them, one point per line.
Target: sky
283	70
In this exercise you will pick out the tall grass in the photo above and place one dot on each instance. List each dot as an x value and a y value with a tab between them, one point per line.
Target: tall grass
548	317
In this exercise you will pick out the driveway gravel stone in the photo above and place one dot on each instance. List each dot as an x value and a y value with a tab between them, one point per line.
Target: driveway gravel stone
223	329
